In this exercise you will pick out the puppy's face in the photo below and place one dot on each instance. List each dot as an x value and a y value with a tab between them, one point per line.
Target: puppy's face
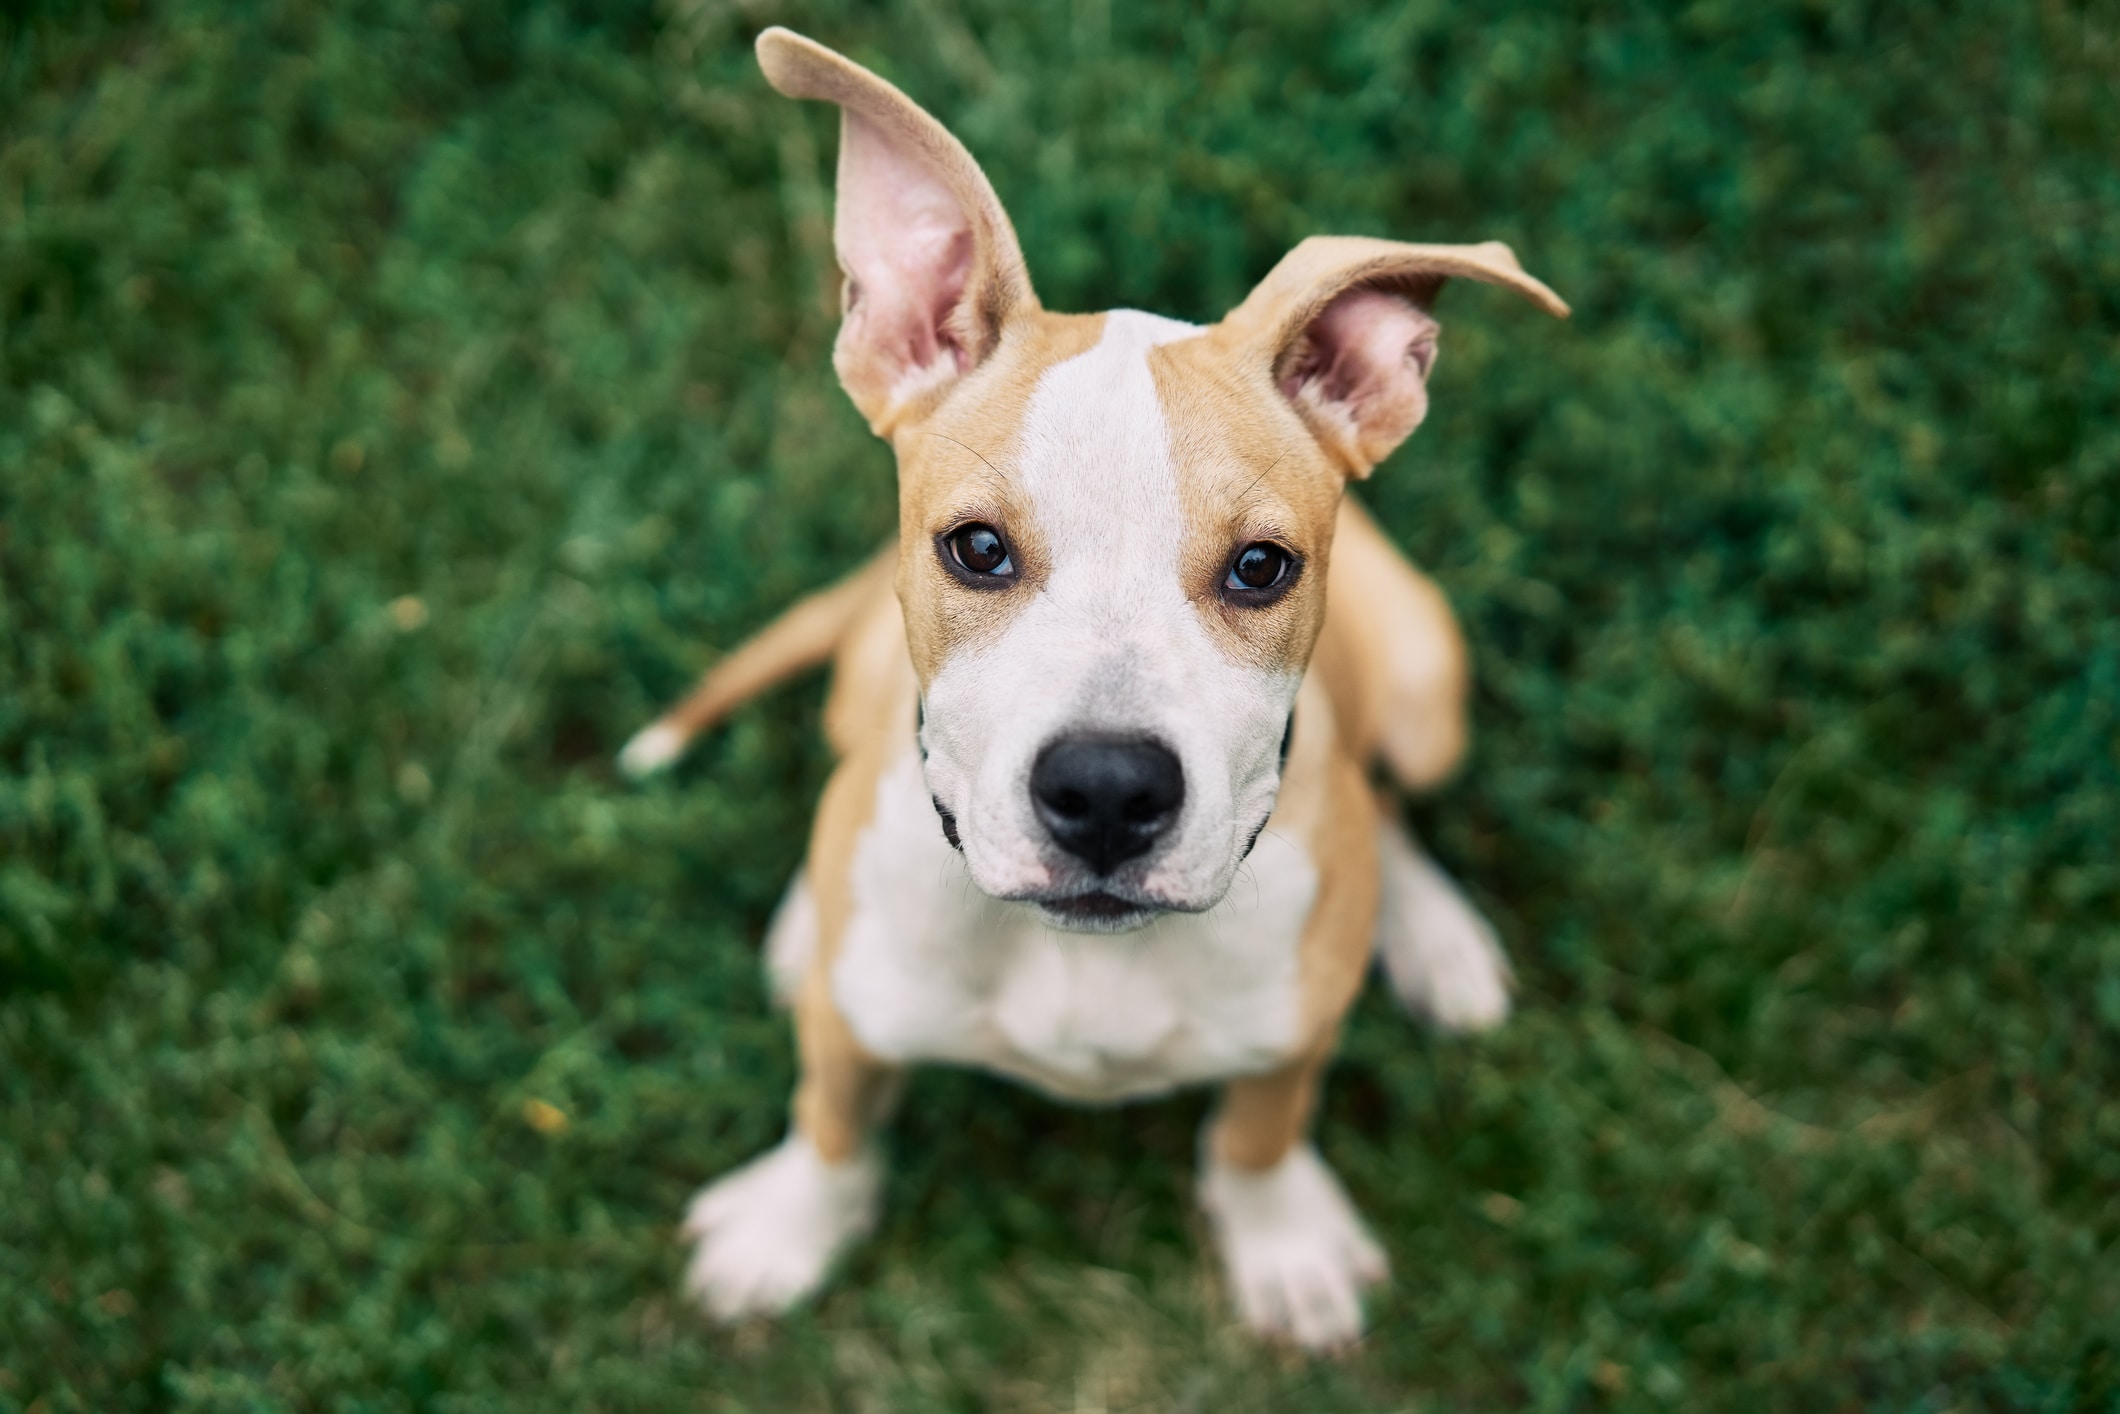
1113	544
1113	528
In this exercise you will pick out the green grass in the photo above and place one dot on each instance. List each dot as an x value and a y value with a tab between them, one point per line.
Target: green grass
1788	563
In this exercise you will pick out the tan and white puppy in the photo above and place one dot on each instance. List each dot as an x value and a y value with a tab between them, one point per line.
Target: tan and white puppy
1106	690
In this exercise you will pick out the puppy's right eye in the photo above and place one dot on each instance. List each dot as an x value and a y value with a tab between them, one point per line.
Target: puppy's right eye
979	551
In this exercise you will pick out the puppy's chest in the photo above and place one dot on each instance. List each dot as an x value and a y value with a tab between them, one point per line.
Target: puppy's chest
930	969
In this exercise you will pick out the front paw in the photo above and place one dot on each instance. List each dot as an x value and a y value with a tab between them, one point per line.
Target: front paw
1296	1254
766	1235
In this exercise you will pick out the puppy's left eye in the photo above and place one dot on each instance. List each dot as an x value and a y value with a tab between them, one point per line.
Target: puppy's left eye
979	554
1259	569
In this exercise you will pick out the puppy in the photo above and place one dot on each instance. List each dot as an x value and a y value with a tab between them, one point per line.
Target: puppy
1095	678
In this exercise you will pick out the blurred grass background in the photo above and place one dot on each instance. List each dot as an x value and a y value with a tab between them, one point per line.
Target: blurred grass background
399	401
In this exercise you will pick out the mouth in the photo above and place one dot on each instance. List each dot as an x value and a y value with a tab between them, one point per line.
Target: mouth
1097	912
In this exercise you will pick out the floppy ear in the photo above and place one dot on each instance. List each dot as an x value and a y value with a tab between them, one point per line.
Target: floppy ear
931	263
1343	325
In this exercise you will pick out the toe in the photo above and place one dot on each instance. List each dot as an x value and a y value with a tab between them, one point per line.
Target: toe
713	1205
1325	1313
730	1281
1262	1303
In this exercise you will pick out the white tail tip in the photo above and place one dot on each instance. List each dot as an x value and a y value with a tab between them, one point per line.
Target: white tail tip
651	749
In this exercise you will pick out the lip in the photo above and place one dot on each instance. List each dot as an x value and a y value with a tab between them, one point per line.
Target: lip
1097	911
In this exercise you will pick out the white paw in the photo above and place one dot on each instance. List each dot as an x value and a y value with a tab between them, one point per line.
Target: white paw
1294	1250
1443	959
766	1234
651	749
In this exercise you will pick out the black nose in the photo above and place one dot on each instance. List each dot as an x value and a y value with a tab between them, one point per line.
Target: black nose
1106	799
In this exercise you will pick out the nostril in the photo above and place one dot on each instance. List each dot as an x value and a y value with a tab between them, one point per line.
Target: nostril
1106	799
1144	808
949	824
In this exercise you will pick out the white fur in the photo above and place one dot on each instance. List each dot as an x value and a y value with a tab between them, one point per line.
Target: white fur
1293	1248
1442	957
767	1233
791	940
651	749
932	969
1112	642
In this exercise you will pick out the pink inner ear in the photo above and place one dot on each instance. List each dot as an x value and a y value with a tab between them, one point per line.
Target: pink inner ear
906	245
1366	360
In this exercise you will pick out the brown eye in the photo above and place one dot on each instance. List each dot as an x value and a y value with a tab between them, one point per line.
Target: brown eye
979	550
1257	568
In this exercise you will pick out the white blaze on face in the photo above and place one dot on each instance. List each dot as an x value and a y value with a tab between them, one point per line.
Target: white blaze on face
1112	642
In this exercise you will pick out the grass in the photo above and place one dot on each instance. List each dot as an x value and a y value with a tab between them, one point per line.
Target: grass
399	401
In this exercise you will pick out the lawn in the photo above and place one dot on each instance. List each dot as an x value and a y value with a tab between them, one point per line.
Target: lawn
399	401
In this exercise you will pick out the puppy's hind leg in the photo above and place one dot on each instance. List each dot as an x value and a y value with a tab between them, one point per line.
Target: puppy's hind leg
1442	957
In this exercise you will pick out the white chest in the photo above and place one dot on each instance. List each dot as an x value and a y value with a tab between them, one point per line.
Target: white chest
931	969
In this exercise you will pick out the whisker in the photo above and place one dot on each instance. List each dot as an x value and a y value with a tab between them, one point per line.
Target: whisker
1243	495
977	453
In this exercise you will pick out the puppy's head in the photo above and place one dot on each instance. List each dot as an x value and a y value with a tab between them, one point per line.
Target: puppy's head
1113	528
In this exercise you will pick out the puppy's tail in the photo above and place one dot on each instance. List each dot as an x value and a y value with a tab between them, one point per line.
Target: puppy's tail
799	639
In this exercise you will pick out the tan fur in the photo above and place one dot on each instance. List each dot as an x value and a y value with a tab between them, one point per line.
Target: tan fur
872	677
1261	1117
1392	657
